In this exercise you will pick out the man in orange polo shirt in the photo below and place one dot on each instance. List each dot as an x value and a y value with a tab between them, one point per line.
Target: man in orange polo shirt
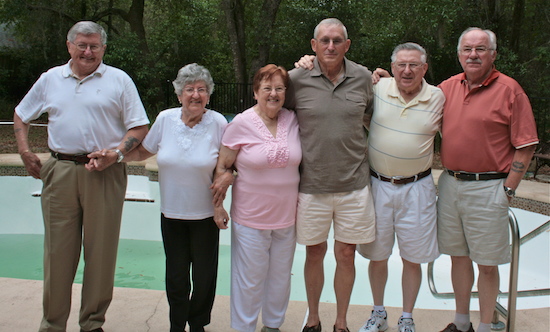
488	139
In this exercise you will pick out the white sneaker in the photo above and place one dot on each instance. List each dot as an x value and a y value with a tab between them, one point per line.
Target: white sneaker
377	322
406	325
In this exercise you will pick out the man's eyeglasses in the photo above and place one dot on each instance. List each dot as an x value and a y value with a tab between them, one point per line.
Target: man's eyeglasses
412	65
479	50
84	47
336	42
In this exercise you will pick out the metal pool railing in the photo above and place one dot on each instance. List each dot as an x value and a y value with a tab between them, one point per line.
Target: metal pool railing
510	312
32	124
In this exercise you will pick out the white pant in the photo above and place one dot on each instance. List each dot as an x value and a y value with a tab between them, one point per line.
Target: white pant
261	263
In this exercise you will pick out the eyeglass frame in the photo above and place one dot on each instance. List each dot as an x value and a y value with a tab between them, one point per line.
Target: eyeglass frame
268	89
83	47
190	91
479	50
326	41
412	65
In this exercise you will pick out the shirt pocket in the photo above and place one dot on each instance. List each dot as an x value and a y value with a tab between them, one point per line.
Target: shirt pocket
355	104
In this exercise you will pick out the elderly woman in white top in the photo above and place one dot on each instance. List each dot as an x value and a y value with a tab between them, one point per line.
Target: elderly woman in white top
187	141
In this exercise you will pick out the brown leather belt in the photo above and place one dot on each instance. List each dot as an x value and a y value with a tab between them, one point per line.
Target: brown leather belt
400	180
465	176
76	158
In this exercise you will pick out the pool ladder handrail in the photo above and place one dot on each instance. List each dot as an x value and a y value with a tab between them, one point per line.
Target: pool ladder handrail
513	293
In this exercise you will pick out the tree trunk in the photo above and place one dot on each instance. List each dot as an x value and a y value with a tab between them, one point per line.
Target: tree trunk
234	16
517	20
135	19
268	14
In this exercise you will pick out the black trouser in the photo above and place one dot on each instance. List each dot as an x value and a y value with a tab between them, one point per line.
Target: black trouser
190	243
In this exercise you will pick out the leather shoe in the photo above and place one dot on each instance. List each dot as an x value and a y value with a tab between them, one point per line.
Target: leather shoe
312	328
94	330
452	328
334	329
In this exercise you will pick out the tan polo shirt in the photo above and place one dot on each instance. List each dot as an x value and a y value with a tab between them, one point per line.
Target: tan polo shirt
332	127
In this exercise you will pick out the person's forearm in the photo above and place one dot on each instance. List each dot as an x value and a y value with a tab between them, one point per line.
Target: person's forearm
223	174
520	163
21	130
100	160
33	165
132	139
137	154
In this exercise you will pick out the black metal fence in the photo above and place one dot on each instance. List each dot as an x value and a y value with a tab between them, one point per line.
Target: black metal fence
231	98
228	98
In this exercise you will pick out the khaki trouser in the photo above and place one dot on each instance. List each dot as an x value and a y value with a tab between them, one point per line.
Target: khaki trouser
80	209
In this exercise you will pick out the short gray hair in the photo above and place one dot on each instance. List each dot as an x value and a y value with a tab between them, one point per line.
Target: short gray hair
87	28
192	73
330	21
490	34
410	47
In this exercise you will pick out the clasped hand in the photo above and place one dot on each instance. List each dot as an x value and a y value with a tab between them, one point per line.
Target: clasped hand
100	160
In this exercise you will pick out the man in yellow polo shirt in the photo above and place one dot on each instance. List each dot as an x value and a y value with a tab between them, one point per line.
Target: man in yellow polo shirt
407	116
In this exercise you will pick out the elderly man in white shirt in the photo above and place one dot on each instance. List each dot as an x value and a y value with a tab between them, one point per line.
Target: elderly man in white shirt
90	106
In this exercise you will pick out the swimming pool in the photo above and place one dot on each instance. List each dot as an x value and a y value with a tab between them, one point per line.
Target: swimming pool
141	258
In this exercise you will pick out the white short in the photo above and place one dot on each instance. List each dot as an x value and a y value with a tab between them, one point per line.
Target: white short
352	212
473	220
408	211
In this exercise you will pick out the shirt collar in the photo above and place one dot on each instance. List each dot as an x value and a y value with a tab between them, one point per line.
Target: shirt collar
348	71
424	95
67	71
490	79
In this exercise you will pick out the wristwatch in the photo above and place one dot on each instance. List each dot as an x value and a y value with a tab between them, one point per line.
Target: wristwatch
120	155
509	192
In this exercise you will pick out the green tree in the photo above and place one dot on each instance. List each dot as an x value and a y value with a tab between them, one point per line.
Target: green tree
152	39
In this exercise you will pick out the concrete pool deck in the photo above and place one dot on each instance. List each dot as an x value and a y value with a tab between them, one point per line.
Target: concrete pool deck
147	310
140	310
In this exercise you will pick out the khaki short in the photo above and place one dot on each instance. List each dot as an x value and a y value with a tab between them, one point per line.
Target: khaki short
472	220
352	213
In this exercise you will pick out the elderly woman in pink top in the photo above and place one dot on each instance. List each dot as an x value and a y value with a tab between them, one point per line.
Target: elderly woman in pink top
262	144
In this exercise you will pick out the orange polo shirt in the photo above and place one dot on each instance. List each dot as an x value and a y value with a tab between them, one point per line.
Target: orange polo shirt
483	127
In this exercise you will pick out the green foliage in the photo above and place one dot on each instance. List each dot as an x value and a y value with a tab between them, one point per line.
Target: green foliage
185	31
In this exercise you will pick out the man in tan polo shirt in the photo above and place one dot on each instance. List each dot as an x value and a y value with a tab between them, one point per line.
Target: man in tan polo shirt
333	102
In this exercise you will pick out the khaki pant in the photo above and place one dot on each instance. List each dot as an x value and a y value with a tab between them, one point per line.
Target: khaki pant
80	209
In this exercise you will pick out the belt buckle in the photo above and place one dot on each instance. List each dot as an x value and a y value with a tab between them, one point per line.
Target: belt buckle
393	179
455	174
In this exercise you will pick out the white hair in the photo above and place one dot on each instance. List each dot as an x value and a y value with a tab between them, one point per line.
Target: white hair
87	28
490	34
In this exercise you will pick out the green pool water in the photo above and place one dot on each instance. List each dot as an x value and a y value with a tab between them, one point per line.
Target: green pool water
140	264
